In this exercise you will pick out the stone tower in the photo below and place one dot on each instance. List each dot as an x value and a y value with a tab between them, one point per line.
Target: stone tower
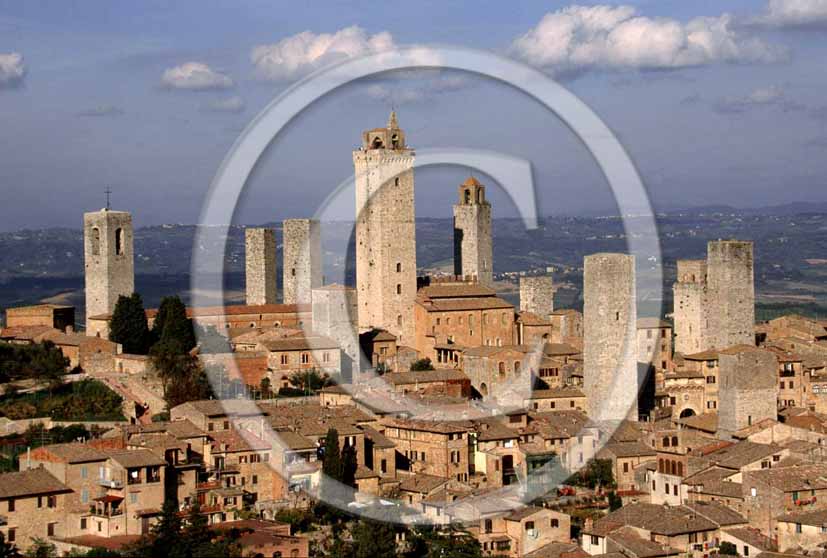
473	251
537	295
690	307
731	293
302	266
385	232
714	302
108	259
747	388
260	260
609	343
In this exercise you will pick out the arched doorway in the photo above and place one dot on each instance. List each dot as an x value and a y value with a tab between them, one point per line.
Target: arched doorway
687	413
483	390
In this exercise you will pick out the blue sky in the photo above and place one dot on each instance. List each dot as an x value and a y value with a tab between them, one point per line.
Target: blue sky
147	97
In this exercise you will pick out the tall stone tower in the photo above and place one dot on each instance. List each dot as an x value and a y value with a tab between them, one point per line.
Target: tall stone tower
610	337
108	259
302	254
690	307
731	293
537	295
260	261
385	232
473	251
747	388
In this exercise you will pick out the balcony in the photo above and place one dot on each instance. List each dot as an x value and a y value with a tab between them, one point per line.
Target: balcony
115	484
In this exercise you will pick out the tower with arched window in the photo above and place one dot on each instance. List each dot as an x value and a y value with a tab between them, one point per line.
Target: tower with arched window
108	261
473	248
385	232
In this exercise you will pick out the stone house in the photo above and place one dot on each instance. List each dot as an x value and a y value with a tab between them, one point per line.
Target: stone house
625	458
532	329
556	399
438	449
442	381
567	327
802	529
769	493
242	460
54	316
654	346
294	354
706	364
32	505
379	347
268	538
467	314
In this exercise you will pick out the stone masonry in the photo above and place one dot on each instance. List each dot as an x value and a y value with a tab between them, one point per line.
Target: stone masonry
473	249
334	316
747	388
715	299
260	260
537	295
731	292
302	270
108	259
385	232
690	306
610	316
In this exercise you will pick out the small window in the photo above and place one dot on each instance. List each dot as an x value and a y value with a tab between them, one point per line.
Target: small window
399	288
95	237
119	242
399	267
50	529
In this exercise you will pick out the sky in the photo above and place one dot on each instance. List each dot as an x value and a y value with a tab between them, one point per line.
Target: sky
717	102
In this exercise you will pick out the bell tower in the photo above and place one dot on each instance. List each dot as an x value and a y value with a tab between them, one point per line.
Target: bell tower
473	250
385	232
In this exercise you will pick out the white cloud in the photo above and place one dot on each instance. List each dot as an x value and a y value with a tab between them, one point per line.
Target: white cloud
12	69
415	87
763	96
794	13
579	38
230	104
298	55
195	76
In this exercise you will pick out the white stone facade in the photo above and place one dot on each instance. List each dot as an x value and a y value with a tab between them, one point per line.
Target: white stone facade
109	267
260	266
302	266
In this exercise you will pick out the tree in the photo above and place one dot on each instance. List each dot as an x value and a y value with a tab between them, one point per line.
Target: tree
421	364
615	501
41	549
197	535
348	475
332	460
308	381
182	376
7	549
128	325
43	362
727	548
597	473
266	388
172	328
374	539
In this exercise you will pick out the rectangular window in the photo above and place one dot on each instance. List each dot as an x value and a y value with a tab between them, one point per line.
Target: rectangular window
133	498
12	535
50	529
83	524
84	472
11	504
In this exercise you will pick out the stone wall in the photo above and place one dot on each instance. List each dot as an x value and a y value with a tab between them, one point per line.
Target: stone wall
610	316
473	247
109	259
731	292
537	295
260	266
302	255
747	389
385	233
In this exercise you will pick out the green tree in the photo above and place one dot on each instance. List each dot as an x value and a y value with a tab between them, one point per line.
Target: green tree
7	549
348	475
332	459
726	548
182	376
308	381
451	542
615	501
596	473
374	539
266	388
422	364
41	549
172	328
43	362
128	325
197	535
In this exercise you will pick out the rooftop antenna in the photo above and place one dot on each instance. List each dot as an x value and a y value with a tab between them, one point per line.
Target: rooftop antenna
107	191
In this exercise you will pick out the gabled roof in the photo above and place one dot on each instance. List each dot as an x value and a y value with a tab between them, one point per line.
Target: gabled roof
68	453
135	458
31	482
422	483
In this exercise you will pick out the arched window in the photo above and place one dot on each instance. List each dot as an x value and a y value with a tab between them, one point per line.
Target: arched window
399	267
674	441
673	468
516	367
666	441
467	196
484	389
680	469
399	320
661	468
555	523
119	242
96	241
377	143
501	369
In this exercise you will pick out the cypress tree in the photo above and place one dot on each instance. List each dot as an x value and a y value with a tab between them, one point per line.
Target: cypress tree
172	328
128	325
